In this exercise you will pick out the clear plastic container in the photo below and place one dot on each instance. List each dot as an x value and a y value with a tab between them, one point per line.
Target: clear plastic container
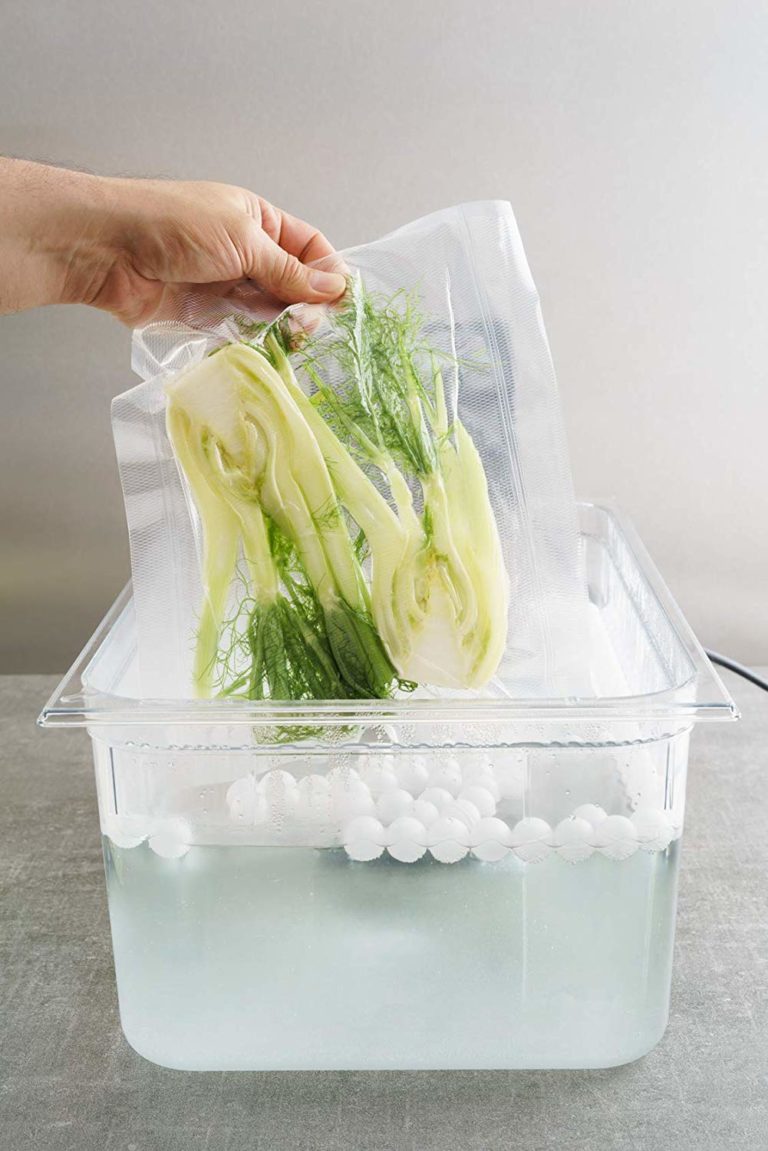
429	883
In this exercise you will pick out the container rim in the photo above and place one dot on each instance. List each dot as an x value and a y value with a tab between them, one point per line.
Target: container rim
702	697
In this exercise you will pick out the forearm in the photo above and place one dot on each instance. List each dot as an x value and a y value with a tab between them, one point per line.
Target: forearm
55	235
137	247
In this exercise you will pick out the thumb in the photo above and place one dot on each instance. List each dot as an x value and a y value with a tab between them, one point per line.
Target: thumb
285	277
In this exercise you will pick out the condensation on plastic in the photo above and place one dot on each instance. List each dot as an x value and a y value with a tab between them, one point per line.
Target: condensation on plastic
470	272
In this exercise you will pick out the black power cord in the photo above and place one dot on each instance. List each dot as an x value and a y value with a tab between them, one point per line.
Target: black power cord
739	668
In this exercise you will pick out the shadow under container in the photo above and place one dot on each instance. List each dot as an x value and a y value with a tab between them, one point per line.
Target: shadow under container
419	884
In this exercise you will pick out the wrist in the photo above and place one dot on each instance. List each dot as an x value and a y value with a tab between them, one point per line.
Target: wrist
57	233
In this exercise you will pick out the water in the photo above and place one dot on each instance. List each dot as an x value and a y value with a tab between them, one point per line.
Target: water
256	957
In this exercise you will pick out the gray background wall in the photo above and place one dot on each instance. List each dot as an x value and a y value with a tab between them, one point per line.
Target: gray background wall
632	140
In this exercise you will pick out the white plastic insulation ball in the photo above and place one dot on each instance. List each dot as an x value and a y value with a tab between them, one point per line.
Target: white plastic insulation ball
280	790
573	839
482	775
592	813
406	839
378	776
446	774
118	835
448	839
314	799
240	800
313	786
532	839
172	839
425	811
437	796
341	778
491	839
393	804
481	798
616	837
364	838
353	800
461	809
654	828
412	773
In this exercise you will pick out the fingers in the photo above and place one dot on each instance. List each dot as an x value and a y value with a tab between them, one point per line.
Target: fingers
283	274
293	234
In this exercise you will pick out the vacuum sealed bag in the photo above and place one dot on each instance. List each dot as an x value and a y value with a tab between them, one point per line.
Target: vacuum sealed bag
362	500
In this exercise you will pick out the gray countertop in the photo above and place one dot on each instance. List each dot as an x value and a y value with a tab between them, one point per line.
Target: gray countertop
70	1082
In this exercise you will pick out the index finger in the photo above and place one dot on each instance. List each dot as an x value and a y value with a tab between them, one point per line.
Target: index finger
294	235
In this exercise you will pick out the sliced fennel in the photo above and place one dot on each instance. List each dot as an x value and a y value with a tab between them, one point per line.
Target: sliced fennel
439	585
260	482
288	484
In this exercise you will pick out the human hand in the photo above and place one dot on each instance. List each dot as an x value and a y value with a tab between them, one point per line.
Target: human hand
136	248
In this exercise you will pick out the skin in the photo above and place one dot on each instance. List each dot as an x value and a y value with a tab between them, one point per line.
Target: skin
138	248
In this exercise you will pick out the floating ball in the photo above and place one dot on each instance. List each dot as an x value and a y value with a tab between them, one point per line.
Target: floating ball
481	798
425	811
573	839
393	804
448	839
406	839
172	839
616	837
363	838
654	828
491	839
592	813
446	775
532	839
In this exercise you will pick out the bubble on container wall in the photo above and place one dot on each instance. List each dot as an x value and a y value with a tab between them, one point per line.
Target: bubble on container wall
592	813
490	839
448	839
437	796
532	839
479	761
377	776
271	763
277	782
481	797
363	760
425	811
573	839
341	778
406	839
447	775
654	828
412	773
281	794
364	838
616	837
393	804
172	839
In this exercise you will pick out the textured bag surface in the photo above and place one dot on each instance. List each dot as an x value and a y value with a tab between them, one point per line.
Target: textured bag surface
466	269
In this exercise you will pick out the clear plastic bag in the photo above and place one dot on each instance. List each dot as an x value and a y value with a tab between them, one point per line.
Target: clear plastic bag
467	269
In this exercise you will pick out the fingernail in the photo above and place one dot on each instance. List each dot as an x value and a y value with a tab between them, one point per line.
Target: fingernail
326	283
